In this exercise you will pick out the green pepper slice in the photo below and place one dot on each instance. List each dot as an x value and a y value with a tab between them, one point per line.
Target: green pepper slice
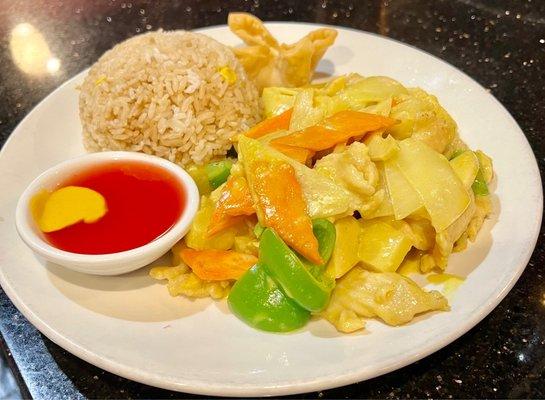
291	274
218	172
257	300
326	235
480	188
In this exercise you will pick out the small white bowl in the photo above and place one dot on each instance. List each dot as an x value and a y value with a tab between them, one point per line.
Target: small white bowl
104	264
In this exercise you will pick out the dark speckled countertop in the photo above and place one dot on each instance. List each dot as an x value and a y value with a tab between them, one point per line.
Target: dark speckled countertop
499	43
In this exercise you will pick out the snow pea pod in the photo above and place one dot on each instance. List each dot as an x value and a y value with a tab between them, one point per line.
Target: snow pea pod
296	279
260	302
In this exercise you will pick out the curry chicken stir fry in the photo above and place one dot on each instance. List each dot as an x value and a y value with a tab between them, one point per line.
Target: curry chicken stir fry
330	202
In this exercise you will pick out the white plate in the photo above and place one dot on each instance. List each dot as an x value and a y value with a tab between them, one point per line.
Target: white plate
130	326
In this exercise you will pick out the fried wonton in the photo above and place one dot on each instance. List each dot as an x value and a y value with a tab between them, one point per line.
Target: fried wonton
269	63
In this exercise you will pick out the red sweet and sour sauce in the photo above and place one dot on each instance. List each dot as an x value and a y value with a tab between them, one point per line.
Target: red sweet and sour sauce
144	201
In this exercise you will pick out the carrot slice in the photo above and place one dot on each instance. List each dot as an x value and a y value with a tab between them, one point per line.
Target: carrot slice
297	153
315	138
235	201
217	265
235	198
338	128
280	205
269	125
225	222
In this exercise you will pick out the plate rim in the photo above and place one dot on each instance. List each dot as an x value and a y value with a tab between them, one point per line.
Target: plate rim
322	383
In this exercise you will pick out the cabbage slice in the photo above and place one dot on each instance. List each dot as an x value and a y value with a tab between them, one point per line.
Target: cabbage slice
305	114
430	174
276	100
405	199
361	92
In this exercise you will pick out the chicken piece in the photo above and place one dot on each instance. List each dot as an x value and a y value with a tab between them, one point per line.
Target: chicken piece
269	63
181	281
354	170
390	296
482	211
422	117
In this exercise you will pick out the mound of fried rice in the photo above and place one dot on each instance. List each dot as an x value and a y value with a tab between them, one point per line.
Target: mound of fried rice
162	93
